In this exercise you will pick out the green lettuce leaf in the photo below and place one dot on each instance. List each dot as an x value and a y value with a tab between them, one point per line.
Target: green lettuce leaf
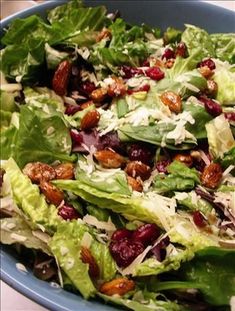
143	302
8	141
220	137
172	35
28	198
180	178
116	179
66	246
193	202
42	137
228	158
213	272
44	98
224	76
67	252
200	115
24	61
153	134
16	230
224	46
192	35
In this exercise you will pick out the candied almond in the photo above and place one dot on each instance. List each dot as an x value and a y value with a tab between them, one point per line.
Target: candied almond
64	171
99	94
119	286
109	158
105	33
90	120
61	77
38	171
52	193
172	100
135	184
211	175
87	257
138	169
184	158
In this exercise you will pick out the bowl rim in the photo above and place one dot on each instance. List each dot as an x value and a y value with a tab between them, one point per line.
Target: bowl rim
5	274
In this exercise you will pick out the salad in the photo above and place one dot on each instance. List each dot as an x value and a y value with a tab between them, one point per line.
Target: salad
118	158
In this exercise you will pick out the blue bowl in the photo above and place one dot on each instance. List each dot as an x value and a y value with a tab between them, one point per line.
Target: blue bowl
156	13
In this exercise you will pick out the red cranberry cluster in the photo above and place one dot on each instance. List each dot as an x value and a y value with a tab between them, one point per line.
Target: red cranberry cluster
180	50
154	73
126	245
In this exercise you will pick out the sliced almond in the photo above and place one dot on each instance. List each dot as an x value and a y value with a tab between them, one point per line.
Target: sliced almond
119	286
109	158
87	257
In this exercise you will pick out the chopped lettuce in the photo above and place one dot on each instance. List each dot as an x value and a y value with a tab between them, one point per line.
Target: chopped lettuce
220	137
228	158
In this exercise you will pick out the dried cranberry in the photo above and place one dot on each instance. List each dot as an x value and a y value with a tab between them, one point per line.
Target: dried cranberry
155	73
68	212
125	251
76	137
181	50
86	88
141	152
121	234
230	116
168	54
146	234
198	219
207	62
130	72
161	166
145	63
211	106
72	109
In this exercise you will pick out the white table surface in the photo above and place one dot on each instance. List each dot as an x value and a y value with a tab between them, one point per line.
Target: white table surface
11	300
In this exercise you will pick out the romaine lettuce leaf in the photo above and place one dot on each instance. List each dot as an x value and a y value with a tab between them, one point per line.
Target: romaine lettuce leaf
67	252
16	230
180	178
228	158
28	198
66	246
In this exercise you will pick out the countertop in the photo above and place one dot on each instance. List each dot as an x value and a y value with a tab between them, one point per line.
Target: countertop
11	300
